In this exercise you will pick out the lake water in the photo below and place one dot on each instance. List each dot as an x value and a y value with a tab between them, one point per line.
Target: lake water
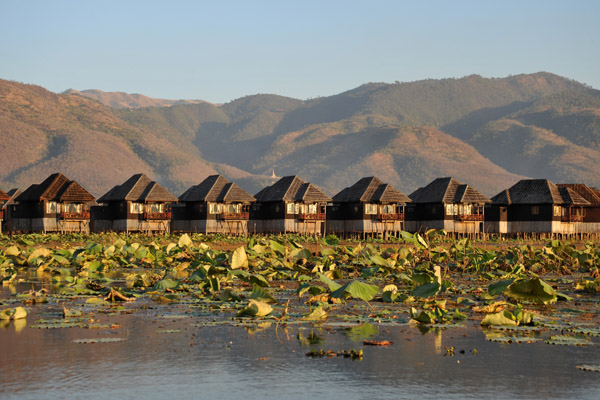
167	354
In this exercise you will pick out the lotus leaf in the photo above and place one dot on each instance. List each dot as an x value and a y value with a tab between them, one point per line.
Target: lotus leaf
13	313
318	314
357	290
255	309
261	294
184	241
239	259
165	284
533	290
426	290
502	318
333	286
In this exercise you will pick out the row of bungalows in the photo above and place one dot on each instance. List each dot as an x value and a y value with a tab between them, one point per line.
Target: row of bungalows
370	207
540	206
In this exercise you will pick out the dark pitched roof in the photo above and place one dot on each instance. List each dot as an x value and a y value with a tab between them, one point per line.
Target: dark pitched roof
588	193
138	188
537	191
13	193
448	190
56	187
370	190
218	189
292	188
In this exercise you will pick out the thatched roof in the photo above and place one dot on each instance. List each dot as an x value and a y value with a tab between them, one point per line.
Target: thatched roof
215	188
370	190
57	188
448	190
588	193
139	188
292	189
538	191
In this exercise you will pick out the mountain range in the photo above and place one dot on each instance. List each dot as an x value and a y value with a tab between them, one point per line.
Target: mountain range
488	132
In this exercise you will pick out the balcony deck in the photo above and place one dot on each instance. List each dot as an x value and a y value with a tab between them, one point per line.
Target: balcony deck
469	217
390	217
234	216
157	216
75	215
312	217
572	218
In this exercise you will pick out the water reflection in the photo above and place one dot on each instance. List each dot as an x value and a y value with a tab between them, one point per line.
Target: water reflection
222	362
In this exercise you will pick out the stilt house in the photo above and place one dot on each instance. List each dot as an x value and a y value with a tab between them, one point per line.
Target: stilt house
213	206
4	198
6	209
138	205
55	205
447	204
367	207
290	205
536	206
591	212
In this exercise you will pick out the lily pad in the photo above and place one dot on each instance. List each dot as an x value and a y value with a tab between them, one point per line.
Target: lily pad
255	309
13	313
357	290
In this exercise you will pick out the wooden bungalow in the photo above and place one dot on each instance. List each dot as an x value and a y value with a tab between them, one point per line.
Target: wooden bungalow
55	205
4	198
290	205
536	206
137	205
590	217
213	206
447	204
367	207
5	209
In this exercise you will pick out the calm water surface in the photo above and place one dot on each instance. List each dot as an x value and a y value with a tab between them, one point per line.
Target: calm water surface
167	355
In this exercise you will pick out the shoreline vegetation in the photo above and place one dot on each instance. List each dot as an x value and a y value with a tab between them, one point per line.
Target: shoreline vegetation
517	292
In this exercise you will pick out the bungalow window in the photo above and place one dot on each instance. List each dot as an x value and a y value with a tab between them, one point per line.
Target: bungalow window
370	209
137	208
535	210
293	208
51	207
467	209
72	208
449	209
156	207
388	209
233	208
215	208
312	208
557	211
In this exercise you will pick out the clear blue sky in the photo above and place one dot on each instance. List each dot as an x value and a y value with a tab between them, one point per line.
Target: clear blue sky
220	50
